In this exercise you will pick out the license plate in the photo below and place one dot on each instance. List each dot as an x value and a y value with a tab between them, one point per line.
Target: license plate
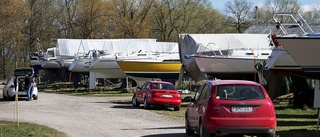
166	96
241	109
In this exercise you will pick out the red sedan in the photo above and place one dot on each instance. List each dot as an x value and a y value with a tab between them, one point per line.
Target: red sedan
234	107
157	93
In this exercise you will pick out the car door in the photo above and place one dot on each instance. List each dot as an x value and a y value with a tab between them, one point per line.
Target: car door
143	91
193	108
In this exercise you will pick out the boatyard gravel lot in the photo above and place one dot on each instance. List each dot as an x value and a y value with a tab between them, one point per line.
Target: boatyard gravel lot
80	116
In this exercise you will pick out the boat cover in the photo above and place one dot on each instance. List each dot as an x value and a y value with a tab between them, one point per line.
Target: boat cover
71	47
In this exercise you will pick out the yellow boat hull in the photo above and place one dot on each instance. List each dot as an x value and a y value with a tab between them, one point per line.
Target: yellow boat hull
151	69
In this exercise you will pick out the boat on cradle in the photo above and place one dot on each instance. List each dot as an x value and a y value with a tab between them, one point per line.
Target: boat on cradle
303	47
165	66
81	62
226	56
86	51
141	50
107	67
50	59
35	59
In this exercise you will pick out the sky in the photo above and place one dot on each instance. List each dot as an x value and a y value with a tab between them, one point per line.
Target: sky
306	4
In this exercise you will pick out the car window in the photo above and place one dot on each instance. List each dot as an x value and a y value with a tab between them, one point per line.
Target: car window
145	86
197	95
168	87
204	93
23	72
239	92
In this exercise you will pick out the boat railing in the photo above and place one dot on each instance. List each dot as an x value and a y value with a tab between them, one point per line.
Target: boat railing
291	20
207	49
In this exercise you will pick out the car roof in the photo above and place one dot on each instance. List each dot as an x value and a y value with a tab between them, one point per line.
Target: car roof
164	82
223	82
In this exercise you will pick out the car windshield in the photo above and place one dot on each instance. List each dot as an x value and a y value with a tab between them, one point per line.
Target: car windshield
163	86
239	92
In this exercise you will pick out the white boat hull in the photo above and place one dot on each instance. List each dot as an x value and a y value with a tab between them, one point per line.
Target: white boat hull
226	65
109	73
280	59
49	64
80	65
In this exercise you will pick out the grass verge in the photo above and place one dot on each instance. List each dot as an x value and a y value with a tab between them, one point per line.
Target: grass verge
11	129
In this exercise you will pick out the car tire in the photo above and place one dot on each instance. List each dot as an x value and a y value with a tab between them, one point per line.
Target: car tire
177	108
203	131
146	104
189	131
135	102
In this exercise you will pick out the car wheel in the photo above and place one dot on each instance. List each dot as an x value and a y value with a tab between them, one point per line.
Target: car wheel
135	103
146	103
189	131
35	97
203	131
177	108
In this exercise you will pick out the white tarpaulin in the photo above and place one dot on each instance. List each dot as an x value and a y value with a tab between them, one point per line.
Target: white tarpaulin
68	48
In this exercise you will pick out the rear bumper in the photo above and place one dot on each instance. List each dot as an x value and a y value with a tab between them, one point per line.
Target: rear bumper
165	102
240	125
12	93
247	131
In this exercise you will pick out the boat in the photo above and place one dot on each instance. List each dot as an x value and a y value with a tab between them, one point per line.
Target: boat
165	66
223	56
35	59
49	60
81	62
303	47
280	59
151	68
106	65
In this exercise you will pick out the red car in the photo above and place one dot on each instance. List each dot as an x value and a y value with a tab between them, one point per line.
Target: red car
157	93
231	107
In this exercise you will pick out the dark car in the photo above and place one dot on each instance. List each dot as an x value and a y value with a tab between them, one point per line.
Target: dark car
157	93
231	107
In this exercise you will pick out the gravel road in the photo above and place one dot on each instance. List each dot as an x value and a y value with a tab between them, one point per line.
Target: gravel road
92	117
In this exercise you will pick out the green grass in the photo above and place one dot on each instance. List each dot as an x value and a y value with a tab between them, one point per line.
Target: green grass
12	129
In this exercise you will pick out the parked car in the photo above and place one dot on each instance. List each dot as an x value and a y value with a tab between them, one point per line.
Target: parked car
231	107
15	85
157	93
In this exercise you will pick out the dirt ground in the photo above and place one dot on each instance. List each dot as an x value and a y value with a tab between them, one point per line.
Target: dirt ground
91	117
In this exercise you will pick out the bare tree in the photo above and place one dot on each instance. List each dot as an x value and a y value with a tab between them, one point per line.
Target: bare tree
171	18
239	11
312	17
130	18
271	7
82	18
